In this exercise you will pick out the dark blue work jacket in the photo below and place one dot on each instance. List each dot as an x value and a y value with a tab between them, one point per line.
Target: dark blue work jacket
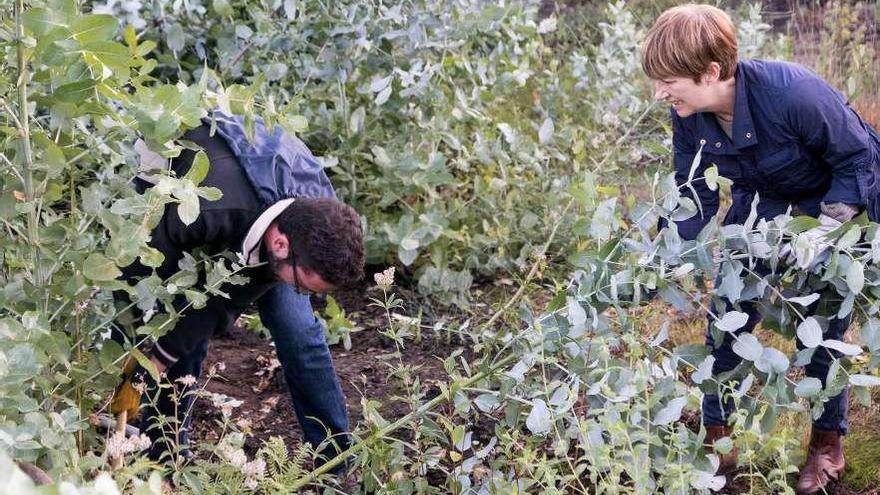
796	142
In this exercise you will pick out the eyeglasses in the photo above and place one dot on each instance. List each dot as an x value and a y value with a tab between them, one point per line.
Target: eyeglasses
297	286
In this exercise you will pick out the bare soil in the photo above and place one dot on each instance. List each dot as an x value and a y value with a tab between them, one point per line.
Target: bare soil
253	375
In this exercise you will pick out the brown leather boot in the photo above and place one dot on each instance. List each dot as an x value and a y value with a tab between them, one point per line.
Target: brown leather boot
824	461
729	460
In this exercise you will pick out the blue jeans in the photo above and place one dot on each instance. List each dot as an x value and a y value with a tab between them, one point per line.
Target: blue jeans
834	417
308	370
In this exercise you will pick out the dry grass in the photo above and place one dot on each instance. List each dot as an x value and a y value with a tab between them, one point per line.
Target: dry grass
840	40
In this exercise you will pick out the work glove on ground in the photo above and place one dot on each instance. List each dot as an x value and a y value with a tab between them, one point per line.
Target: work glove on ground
127	396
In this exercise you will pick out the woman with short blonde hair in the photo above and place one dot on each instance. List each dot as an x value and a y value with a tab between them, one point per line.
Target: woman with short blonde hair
783	136
686	39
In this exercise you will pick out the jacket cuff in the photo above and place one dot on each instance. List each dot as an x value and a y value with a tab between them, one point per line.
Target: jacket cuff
851	186
841	192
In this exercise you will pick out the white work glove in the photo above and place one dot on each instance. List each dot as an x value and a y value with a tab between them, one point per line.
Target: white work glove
810	247
841	212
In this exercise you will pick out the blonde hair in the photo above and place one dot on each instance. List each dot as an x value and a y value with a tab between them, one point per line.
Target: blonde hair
686	39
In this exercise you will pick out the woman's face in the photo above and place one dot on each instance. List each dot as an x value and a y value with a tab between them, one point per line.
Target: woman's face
688	97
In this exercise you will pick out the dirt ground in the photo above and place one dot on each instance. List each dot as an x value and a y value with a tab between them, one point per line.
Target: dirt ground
253	375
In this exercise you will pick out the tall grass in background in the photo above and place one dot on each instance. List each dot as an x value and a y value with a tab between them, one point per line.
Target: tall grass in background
839	40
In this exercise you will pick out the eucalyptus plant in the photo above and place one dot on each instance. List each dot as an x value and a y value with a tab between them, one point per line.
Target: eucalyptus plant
473	145
76	91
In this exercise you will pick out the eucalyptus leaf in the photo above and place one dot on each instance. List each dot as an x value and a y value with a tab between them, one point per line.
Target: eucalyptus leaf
732	321
538	420
487	402
809	332
188	209
40	21
670	412
199	169
545	133
860	380
691	354
855	276
842	347
100	268
808	387
711	176
801	224
772	361
805	300
356	122
748	347
661	336
704	371
95	27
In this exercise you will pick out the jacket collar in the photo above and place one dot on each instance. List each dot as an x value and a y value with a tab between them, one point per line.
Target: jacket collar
744	134
250	248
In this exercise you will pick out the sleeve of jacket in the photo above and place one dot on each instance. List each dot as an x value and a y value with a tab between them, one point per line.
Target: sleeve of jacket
173	238
685	146
824	122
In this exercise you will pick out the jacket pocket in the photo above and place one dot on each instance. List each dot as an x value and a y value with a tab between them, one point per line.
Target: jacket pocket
790	171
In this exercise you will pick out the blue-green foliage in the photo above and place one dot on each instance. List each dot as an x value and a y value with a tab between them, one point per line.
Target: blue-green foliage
455	127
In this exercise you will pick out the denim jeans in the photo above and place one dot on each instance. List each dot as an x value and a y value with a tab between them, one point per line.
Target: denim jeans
308	370
834	417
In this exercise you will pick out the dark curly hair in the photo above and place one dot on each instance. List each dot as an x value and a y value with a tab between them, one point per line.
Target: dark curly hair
326	237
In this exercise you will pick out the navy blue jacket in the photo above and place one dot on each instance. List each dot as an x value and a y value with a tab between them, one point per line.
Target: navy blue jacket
796	142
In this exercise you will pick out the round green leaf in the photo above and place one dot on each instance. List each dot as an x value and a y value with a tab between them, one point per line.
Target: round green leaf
100	268
748	347
809	332
808	387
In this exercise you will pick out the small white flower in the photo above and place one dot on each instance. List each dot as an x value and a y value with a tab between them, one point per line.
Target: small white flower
233	456
186	380
226	411
140	386
250	484
224	403
254	469
104	485
116	445
141	442
385	279
119	445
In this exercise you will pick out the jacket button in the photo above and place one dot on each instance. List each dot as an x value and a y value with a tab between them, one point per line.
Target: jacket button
718	145
748	135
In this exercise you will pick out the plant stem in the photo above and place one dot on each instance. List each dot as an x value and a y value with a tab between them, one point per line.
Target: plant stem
431	404
23	122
